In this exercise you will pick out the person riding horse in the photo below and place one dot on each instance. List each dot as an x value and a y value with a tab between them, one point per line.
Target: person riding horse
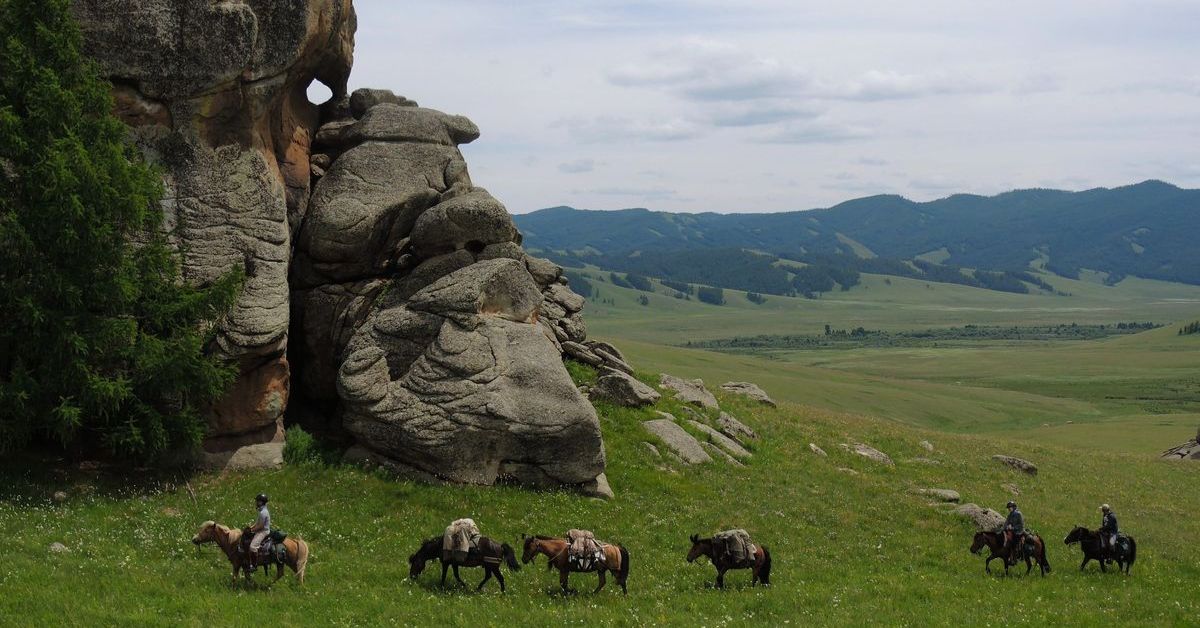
1108	530
1014	532
261	529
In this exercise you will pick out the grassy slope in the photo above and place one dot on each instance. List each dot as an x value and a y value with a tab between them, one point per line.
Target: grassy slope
1138	392
849	548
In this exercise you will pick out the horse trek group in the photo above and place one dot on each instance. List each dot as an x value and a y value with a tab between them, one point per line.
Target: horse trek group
462	545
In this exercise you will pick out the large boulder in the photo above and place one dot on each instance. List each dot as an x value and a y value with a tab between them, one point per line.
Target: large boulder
1024	466
677	440
689	390
746	389
459	383
721	440
624	390
984	519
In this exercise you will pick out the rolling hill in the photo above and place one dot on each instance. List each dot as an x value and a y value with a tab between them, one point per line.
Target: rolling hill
1146	230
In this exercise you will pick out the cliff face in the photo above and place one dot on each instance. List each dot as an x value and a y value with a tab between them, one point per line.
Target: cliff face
387	297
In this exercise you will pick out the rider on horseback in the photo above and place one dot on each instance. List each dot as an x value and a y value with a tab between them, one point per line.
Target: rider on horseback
1108	530
1014	532
261	528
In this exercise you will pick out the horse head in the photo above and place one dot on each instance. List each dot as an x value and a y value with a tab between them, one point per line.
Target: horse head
1075	536
416	565
206	534
698	548
979	542
530	550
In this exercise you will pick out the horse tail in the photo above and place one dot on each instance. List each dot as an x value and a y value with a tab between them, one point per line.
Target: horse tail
1132	551
1043	559
764	572
301	559
510	557
624	571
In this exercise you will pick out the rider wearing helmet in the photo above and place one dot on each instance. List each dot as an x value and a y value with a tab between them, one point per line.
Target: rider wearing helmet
1014	531
261	527
1108	529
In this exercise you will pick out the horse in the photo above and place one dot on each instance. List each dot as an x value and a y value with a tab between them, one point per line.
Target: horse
489	555
1089	542
616	560
994	541
761	569
229	539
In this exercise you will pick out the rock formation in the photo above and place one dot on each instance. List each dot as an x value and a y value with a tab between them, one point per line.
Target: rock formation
1019	464
387	299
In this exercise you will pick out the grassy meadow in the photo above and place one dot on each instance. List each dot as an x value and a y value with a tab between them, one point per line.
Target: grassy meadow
852	544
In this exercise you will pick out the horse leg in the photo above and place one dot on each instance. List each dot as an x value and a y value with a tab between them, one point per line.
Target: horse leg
445	568
1084	563
720	578
1028	565
500	578
457	577
487	575
278	572
563	575
987	564
600	573
1103	569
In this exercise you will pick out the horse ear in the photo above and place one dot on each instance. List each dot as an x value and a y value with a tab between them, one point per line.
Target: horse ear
695	538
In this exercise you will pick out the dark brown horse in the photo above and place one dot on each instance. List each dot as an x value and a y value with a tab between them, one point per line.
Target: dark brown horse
489	556
761	567
616	560
1089	542
994	541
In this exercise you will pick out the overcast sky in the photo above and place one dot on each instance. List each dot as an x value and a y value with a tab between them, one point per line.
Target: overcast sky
770	105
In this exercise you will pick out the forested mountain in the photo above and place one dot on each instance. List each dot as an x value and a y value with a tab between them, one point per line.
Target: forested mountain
1149	230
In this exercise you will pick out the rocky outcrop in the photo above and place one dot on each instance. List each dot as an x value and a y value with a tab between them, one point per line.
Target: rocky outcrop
689	391
724	442
1024	466
379	279
869	452
1187	451
623	390
683	444
734	428
749	390
984	519
940	494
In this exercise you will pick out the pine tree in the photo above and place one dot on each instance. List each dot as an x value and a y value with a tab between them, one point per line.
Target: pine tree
102	346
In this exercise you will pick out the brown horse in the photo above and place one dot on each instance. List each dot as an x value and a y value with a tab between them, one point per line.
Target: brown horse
761	569
994	541
616	560
229	540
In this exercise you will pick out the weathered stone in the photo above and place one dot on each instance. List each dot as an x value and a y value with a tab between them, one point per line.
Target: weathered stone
726	443
652	449
717	452
985	519
59	497
255	401
58	548
866	451
1011	488
601	346
624	390
470	221
817	450
364	98
1023	466
544	271
388	122
734	428
597	488
612	361
260	456
942	494
683	444
926	445
581	353
689	391
747	389
486	396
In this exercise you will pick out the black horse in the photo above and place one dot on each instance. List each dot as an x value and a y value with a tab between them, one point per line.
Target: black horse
760	570
1089	542
488	554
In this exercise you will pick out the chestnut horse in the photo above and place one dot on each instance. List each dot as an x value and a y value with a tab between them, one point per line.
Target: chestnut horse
1089	542
761	569
616	560
994	541
229	540
488	556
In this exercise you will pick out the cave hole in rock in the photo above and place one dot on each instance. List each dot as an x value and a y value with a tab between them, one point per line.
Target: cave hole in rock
318	92
474	247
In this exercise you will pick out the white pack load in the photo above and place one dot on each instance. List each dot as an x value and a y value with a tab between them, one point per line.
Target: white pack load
461	536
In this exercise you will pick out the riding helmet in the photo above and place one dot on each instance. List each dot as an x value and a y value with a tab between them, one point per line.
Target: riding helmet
1011	504
1105	508
262	497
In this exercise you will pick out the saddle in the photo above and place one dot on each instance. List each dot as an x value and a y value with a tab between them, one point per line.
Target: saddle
735	548
272	549
583	550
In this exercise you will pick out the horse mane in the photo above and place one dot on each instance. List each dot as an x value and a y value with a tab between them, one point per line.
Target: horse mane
548	538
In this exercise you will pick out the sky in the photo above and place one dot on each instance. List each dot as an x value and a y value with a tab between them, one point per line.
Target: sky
776	105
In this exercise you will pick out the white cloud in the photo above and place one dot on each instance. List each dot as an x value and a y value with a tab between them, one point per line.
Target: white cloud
819	131
601	129
577	166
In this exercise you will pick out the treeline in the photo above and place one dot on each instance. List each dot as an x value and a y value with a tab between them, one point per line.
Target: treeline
844	270
858	337
1189	329
734	269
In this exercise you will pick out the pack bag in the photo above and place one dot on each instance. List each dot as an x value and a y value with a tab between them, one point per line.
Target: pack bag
583	550
735	547
460	537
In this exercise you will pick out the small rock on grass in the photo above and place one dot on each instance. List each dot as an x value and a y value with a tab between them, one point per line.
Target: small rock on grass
926	445
943	494
59	497
1023	466
58	548
817	450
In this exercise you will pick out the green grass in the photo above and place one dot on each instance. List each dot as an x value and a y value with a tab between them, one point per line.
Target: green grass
849	549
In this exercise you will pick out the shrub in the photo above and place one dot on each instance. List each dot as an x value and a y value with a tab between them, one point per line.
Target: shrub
711	295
